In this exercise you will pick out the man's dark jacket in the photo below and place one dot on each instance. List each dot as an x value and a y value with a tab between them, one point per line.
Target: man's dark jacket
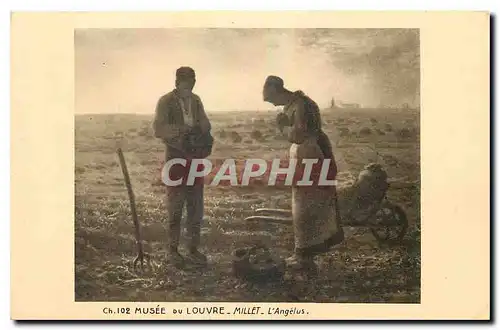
167	126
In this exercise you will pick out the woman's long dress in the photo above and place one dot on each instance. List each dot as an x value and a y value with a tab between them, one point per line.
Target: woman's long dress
315	215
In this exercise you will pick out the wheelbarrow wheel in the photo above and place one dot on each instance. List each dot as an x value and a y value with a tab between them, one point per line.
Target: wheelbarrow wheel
395	224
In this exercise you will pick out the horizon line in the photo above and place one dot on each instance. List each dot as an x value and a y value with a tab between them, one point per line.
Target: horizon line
247	110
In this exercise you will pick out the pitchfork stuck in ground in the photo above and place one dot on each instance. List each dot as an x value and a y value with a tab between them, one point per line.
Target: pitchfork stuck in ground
142	257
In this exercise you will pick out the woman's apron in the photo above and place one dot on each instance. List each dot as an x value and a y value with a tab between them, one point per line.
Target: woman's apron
315	217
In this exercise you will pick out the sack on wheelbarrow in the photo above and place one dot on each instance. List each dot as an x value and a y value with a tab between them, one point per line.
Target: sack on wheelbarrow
359	202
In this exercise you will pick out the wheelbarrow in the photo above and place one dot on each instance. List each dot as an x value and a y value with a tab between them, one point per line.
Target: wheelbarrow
361	204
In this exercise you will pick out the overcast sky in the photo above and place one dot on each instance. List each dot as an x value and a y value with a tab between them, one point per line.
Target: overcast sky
127	70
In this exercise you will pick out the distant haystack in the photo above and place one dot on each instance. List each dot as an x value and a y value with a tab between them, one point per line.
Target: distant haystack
145	131
256	135
343	131
235	137
405	133
222	134
365	131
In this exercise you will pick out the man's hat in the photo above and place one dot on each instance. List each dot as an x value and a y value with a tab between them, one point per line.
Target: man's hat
274	81
185	72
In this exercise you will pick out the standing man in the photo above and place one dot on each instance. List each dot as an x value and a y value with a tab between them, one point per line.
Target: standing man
182	124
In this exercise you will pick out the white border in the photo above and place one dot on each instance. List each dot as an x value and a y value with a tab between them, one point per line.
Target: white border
144	5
